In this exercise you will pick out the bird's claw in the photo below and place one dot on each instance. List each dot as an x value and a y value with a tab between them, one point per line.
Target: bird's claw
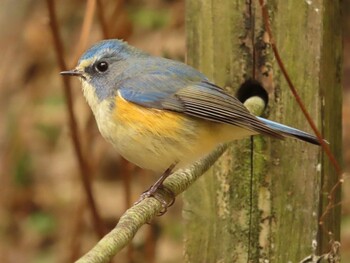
157	194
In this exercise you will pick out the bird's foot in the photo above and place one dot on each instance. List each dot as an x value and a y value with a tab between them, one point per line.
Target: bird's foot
159	193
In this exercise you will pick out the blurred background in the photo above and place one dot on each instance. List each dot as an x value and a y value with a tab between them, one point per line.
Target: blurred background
43	210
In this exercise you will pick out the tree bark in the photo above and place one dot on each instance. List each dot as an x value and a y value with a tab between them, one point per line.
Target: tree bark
263	198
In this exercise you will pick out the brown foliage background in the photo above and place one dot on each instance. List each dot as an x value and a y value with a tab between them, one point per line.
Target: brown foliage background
44	216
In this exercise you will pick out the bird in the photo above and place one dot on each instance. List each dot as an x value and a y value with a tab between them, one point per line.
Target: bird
161	114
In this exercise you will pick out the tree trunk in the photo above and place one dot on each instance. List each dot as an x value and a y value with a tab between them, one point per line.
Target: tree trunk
263	198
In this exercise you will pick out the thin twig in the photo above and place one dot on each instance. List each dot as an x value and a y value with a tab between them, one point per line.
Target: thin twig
143	212
117	12
73	246
84	169
102	19
85	29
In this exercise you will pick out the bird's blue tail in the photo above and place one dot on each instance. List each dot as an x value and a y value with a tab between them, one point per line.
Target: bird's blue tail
289	131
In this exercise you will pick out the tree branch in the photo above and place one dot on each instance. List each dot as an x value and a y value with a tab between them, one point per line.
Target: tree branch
143	212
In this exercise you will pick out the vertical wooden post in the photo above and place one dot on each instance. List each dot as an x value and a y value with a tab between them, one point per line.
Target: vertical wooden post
331	93
262	199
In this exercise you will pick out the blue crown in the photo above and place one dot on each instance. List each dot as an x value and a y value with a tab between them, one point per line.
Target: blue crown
109	47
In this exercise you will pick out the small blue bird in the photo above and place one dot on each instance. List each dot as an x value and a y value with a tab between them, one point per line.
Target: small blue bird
161	114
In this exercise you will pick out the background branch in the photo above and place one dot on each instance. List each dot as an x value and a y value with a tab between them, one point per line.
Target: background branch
85	174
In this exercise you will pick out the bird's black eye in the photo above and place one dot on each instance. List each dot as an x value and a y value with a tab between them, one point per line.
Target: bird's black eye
101	66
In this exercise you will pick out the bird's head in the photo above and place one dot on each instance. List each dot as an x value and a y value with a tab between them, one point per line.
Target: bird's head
100	68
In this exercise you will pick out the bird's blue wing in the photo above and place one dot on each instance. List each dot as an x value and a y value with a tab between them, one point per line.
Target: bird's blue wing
151	90
168	85
200	98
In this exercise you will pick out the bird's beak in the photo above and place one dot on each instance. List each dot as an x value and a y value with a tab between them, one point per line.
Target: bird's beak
73	72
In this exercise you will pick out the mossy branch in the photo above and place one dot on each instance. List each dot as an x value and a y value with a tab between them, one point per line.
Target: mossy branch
143	212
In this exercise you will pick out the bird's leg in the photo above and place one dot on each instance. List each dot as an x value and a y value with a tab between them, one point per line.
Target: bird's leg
152	191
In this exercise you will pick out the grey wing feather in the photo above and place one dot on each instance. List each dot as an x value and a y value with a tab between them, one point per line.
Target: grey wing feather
207	101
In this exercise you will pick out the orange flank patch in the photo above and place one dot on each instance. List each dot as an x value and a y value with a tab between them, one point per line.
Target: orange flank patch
148	119
155	139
